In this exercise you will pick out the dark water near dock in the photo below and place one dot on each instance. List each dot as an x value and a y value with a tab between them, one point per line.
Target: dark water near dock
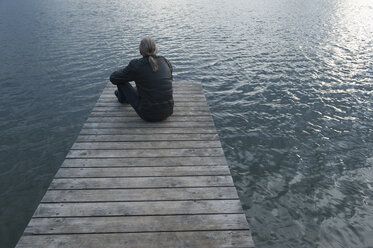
289	83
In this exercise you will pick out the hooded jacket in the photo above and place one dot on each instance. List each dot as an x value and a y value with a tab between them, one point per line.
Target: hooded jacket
154	88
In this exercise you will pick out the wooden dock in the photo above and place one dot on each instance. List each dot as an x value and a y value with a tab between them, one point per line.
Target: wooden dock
129	183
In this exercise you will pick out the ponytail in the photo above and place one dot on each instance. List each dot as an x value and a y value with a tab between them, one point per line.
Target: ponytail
153	63
149	48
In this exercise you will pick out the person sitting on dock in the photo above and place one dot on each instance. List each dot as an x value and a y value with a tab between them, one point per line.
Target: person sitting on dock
152	97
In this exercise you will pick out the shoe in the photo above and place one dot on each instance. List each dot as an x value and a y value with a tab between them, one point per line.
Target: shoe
116	93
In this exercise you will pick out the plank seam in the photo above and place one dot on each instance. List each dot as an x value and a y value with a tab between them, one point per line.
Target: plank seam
170	187
140	166
168	200
133	127
191	175
133	215
95	134
134	141
150	157
90	157
126	149
191	230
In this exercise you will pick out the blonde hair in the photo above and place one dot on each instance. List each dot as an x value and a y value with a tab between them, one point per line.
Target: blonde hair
149	48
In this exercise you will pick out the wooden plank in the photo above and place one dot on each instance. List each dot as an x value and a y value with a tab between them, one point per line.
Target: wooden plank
142	137
121	108
178	102
98	209
158	161
136	119
176	97
145	145
115	102
141	123
143	171
141	182
143	153
175	92
205	239
147	131
131	112
178	107
149	194
120	224
176	86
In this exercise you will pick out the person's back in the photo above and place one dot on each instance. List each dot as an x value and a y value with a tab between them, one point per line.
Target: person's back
152	74
154	88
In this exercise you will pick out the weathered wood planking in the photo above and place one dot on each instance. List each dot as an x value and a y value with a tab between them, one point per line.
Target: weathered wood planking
141	137
97	209
145	145
143	195
126	224
143	171
136	162
128	183
196	239
141	182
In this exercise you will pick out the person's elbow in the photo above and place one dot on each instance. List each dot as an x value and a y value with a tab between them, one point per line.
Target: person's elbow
120	76
114	79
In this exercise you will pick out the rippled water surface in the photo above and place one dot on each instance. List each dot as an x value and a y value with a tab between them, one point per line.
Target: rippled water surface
289	83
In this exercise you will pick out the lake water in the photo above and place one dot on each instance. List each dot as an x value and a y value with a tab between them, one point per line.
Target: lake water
289	84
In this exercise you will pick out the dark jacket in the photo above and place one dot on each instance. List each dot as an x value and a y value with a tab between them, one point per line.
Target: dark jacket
154	88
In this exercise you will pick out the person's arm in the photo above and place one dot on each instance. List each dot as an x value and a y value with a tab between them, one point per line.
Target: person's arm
169	66
124	75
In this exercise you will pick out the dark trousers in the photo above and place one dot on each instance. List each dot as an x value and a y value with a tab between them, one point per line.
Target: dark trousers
129	94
